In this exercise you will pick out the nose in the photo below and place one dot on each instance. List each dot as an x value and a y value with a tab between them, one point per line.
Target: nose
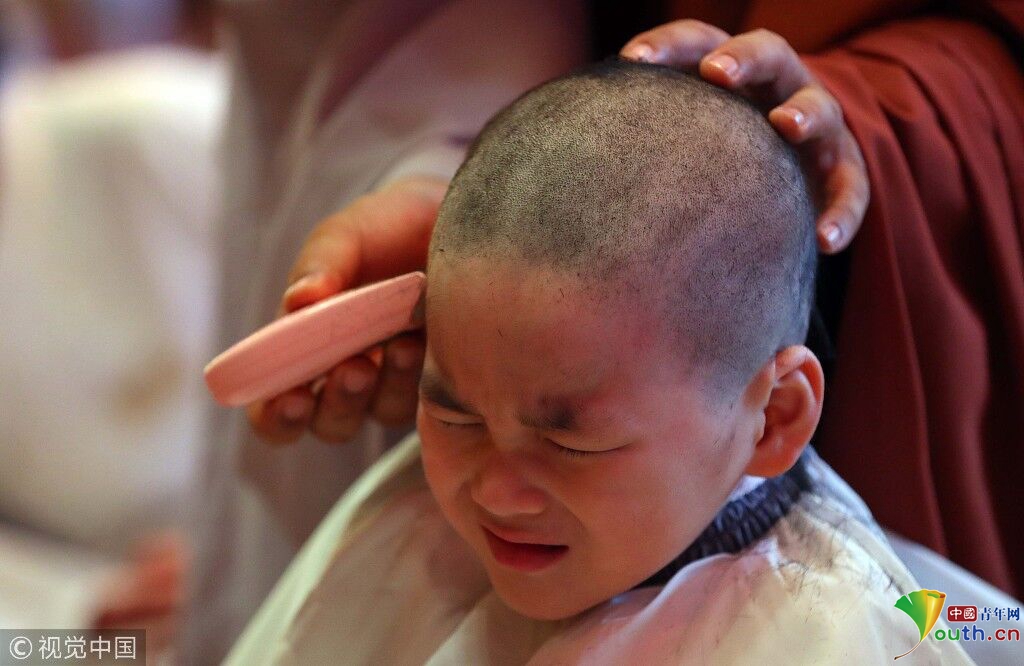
501	489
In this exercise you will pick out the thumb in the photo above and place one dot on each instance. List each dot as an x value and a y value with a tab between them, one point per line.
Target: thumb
327	264
310	288
379	235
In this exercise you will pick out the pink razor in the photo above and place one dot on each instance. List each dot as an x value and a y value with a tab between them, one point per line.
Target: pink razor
305	344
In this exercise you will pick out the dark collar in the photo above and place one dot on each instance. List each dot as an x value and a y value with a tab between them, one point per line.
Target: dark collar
743	520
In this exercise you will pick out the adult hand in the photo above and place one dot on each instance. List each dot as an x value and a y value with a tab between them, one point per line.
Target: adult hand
762	66
147	591
380	235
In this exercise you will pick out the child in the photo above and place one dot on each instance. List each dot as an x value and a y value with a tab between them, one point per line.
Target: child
615	406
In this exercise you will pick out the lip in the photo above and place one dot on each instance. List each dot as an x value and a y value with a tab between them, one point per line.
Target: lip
522	555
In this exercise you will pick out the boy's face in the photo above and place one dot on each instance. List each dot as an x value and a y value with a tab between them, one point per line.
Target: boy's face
562	436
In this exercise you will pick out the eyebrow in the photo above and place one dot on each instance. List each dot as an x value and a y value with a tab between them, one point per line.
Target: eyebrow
555	414
436	390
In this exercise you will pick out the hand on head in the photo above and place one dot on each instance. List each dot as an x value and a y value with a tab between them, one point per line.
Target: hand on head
762	66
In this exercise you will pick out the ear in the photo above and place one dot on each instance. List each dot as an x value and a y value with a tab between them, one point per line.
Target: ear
795	384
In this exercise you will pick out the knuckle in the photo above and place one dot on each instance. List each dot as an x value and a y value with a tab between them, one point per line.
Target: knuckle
844	212
818	101
342	405
338	401
849	212
830	105
819	92
769	38
688	25
703	29
671	35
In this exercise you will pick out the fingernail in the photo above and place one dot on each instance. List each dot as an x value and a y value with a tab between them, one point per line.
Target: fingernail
302	283
403	358
295	408
798	117
356	381
726	63
641	52
833	233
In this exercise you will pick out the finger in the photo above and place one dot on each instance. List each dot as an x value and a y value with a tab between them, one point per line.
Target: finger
284	418
150	583
345	400
381	234
397	394
760	60
679	44
161	559
848	192
163	546
159	587
309	289
810	114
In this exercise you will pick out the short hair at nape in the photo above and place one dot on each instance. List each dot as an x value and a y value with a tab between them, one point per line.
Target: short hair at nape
642	180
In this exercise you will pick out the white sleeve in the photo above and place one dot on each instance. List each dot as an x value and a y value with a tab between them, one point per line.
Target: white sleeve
439	158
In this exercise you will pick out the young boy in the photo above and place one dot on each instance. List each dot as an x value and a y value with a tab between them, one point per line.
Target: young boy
615	405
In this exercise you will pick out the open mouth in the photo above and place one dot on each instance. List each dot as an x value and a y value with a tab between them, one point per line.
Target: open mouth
524	556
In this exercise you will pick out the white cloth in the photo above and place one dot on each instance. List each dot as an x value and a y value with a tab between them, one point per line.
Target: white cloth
937	573
295	155
108	192
48	583
385	580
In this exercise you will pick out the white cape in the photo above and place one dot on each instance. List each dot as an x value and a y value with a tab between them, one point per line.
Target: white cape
385	580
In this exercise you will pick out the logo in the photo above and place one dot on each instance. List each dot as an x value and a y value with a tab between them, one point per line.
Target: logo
53	646
21	647
924	607
961	614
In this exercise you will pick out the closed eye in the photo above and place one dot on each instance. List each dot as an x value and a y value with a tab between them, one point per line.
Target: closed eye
569	451
456	424
449	418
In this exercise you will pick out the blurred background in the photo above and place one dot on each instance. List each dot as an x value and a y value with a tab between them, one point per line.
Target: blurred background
109	118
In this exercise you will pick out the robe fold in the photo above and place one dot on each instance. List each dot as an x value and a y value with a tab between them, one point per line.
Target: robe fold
925	406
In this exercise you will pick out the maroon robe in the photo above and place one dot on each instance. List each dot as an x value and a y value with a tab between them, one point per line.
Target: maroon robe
925	410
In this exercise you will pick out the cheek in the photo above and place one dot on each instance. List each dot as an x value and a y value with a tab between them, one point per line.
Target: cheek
684	492
443	464
616	497
646	511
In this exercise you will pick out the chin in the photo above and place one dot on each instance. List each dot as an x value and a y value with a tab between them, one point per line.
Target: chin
540	601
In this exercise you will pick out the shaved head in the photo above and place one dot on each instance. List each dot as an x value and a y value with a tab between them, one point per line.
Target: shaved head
644	182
